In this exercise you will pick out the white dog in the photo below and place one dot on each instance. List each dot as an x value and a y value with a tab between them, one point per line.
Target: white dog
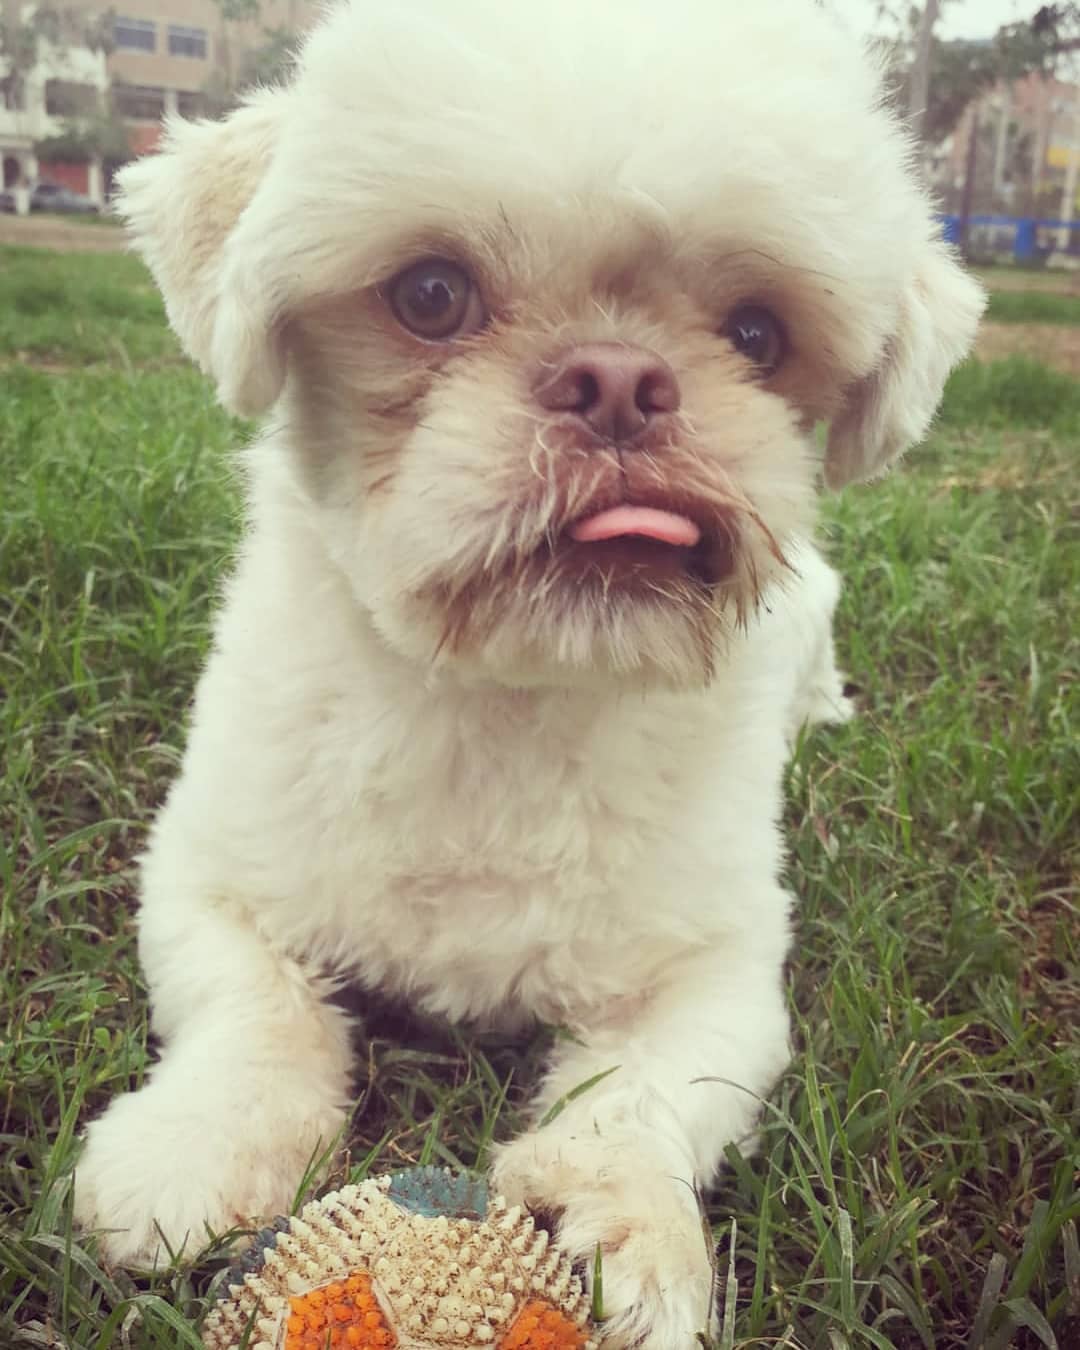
546	301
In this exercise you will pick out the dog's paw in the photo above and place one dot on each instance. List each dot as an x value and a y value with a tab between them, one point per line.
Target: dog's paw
160	1174
656	1257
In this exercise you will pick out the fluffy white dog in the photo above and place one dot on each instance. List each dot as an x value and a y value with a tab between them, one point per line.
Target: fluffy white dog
546	301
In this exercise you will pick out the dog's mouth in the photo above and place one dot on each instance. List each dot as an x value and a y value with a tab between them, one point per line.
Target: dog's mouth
649	543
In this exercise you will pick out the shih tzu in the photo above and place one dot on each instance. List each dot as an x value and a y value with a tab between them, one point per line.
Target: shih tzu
545	304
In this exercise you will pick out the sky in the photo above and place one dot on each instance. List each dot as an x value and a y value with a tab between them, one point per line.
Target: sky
959	18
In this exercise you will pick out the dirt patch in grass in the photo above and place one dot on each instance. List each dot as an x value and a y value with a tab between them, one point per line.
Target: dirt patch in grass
1025	462
108	363
1047	972
1057	345
1024	279
35	362
62	235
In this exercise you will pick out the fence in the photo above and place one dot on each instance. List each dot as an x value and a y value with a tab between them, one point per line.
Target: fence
1027	240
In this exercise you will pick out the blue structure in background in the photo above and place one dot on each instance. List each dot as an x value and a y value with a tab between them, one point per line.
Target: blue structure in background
1026	246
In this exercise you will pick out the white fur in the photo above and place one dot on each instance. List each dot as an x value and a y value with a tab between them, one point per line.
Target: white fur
571	818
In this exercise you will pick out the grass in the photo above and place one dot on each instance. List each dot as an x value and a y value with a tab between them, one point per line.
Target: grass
916	1185
1033	307
1012	394
81	309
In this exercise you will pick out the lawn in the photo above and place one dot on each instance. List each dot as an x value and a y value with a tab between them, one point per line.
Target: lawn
1033	307
917	1183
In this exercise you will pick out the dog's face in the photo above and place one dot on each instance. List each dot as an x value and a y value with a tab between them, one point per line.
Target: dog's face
549	459
551	299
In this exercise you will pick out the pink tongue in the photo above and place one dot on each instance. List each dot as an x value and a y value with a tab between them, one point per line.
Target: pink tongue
665	526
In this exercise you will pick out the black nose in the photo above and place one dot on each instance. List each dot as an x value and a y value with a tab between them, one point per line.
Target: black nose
616	389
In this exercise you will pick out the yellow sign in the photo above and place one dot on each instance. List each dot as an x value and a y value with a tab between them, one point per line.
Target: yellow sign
1059	156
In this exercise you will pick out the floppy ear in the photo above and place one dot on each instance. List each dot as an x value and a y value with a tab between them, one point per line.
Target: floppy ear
181	205
892	407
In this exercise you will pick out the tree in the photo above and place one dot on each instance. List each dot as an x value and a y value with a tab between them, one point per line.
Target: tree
267	62
90	129
18	52
271	60
919	77
73	26
1059	24
960	71
99	135
62	26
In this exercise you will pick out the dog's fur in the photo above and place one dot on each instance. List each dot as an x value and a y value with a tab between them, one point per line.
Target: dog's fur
434	750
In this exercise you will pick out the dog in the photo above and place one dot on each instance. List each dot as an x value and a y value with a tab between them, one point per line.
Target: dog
543	307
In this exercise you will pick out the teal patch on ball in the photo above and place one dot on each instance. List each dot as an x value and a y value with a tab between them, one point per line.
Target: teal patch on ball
424	1259
432	1191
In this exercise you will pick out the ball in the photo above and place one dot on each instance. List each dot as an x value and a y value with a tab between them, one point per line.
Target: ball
419	1260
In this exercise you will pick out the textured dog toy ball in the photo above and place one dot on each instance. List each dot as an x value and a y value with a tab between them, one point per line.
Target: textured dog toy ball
420	1260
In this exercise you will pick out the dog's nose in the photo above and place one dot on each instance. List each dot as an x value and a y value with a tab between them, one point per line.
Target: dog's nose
616	389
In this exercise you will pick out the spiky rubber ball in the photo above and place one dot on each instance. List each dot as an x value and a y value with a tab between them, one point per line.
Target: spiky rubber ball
420	1260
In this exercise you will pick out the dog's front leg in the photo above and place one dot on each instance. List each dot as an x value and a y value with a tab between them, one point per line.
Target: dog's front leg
619	1164
252	1085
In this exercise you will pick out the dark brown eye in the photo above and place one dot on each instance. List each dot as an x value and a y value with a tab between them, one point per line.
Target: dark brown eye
436	300
759	335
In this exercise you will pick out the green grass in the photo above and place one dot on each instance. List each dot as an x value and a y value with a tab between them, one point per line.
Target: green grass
1033	307
1015	393
81	309
916	1184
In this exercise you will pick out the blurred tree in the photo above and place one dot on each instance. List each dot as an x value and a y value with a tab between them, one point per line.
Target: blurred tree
101	135
74	26
90	128
918	82
271	59
960	70
62	26
265	62
1060	24
18	52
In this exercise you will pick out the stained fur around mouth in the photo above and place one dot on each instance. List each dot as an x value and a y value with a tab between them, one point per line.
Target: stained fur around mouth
546	593
570	484
636	560
723	560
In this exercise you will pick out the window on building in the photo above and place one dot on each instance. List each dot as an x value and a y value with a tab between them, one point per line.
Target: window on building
187	41
65	98
139	102
135	34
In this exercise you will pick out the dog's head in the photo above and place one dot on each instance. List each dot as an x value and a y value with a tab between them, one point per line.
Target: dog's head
551	298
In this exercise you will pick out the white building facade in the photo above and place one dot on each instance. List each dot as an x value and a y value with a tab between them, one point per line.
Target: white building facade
61	80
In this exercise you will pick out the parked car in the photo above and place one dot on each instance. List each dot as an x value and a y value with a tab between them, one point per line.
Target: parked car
54	197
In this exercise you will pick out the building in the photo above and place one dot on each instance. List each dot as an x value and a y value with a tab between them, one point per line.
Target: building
129	64
62	79
1027	152
182	55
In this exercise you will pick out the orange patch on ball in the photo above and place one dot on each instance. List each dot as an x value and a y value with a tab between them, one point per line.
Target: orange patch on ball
340	1316
539	1326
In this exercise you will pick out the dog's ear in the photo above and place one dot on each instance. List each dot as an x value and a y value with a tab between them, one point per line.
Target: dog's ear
892	407
181	205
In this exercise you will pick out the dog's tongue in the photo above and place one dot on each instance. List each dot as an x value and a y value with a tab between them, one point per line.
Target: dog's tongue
645	521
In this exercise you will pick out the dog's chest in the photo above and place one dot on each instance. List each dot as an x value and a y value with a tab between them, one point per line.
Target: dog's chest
515	852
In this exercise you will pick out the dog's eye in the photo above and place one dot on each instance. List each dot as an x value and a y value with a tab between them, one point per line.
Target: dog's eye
436	300
759	335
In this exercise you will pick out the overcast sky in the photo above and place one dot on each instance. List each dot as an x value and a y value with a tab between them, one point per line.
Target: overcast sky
959	18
